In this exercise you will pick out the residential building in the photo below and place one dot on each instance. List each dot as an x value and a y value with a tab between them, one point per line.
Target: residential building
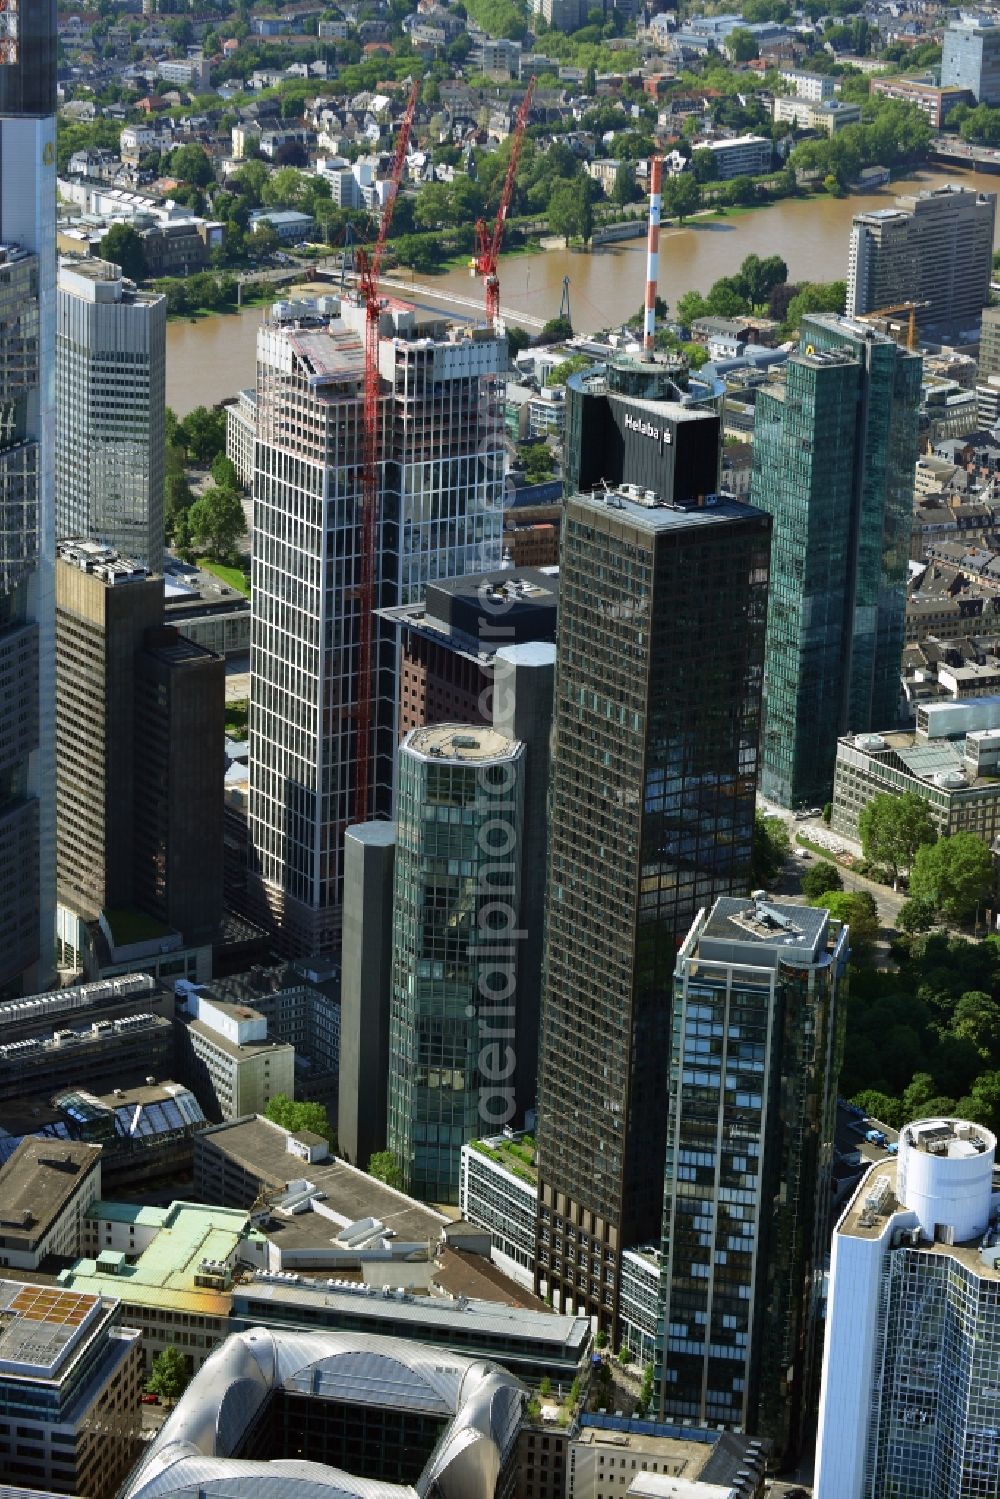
950	761
562	15
934	247
451	1062
140	727
651	804
828	116
449	640
441	401
365	991
840	491
742	1271
935	100
812	86
27	511
70	1380
740	156
227	1059
191	72
428	1423
46	1188
970	58
531	1343
989	343
110	386
911	1361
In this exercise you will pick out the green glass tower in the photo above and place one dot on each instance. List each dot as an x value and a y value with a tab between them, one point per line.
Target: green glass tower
456	889
833	455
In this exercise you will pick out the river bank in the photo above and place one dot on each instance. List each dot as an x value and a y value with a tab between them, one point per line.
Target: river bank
212	359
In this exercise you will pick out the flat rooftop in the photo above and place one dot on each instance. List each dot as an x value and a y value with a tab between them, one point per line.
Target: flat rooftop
260	1147
762	923
655	518
234	1049
39	1325
940	763
37	1182
461	744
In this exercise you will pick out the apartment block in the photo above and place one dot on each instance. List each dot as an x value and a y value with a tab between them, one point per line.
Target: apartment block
740	156
110	385
934	247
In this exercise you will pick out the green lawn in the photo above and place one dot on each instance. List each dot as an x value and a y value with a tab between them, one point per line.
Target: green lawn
129	925
234	576
238	718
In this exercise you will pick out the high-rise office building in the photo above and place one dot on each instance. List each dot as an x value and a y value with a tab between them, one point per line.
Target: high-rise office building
139	722
833	455
754	1063
441	481
28	44
660	662
111	342
365	991
970	58
935	248
989	343
910	1400
456	903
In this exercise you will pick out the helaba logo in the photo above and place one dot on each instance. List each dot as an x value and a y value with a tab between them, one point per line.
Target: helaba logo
647	429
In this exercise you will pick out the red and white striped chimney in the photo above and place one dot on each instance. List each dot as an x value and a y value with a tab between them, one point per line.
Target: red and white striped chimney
652	255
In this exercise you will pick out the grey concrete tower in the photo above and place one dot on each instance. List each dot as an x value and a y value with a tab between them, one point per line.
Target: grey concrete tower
366	981
523	683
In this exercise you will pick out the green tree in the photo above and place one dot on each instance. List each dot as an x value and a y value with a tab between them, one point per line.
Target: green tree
892	828
202	434
816	296
385	1168
954	875
771	847
561	373
982	1103
191	163
690	306
760	277
821	878
681	196
742	45
224	473
915	916
976	1018
858	909
123	245
170	1374
298	1114
703	164
218	523
569	209
880	1106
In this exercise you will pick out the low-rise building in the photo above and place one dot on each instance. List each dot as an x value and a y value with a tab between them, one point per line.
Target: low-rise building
827	116
935	101
227	1059
288	224
614	1458
303	1012
741	156
69	1391
46	1190
951	761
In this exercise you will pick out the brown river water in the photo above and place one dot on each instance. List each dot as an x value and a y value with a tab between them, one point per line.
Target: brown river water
211	359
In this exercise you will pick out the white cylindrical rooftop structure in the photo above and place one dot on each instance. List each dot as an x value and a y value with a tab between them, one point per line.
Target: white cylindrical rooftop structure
945	1176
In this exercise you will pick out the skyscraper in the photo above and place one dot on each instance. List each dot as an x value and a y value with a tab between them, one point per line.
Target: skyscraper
910	1401
654	764
754	1063
440	516
456	903
111	342
140	729
833	455
935	248
28	44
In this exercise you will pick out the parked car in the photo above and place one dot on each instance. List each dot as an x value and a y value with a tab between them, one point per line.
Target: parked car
875	1137
149	1398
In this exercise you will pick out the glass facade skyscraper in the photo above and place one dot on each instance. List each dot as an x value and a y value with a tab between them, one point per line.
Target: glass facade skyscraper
28	45
833	455
654	767
754	1063
456	899
910	1400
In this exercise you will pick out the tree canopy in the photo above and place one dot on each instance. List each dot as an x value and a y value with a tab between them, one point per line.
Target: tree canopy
170	1374
123	245
892	828
953	875
298	1114
217	523
385	1168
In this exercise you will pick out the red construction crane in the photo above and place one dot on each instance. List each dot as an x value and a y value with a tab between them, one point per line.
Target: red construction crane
367	277
488	251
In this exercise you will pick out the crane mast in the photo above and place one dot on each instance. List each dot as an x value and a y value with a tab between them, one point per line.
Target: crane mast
488	243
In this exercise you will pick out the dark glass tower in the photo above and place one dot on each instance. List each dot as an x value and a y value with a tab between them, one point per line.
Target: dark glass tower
656	728
833	456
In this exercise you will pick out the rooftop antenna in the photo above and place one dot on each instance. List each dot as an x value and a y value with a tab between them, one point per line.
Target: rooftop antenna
652	256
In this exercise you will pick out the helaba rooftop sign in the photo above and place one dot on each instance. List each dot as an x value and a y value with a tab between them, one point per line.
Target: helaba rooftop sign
662	435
